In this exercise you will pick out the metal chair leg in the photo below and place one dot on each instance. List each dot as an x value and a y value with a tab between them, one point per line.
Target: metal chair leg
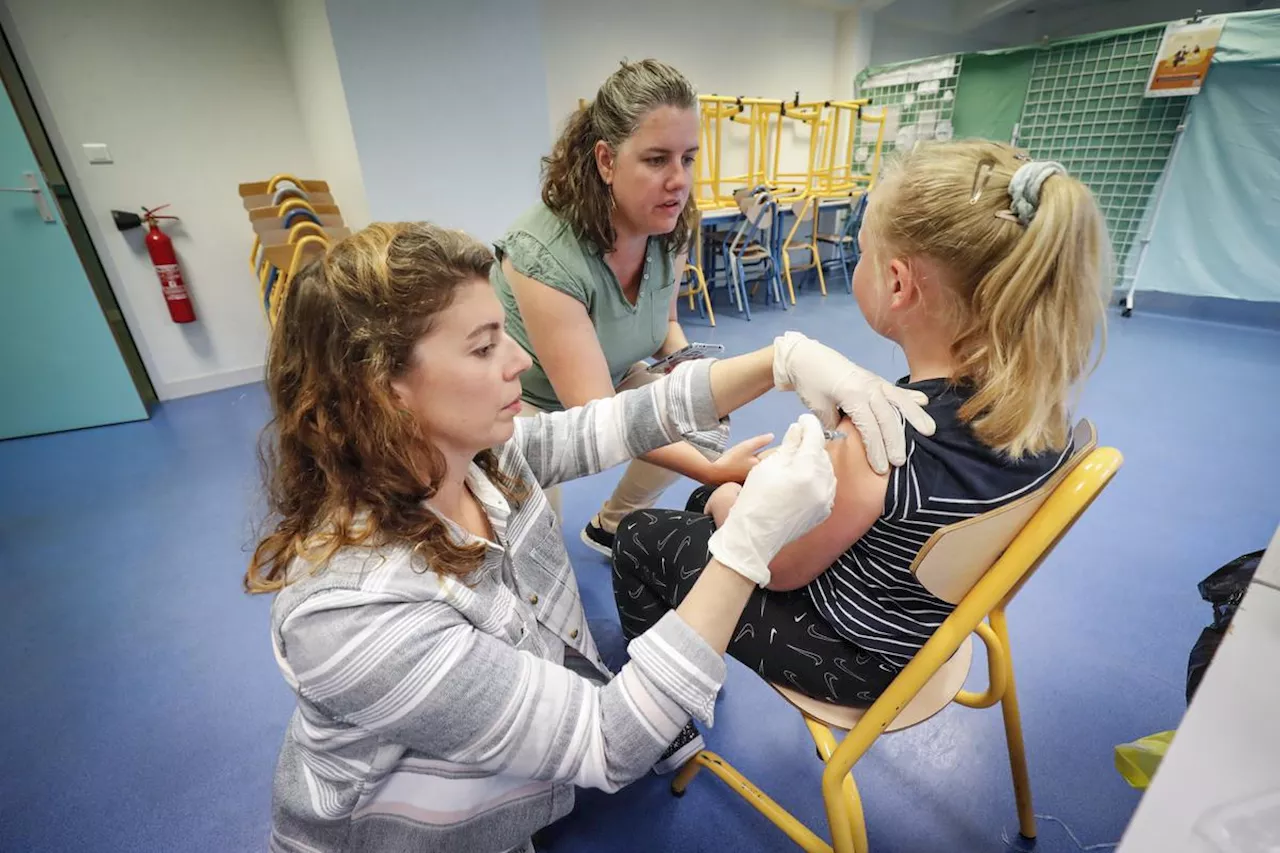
731	278
786	267
1013	734
744	299
762	802
826	743
706	295
817	264
685	775
777	284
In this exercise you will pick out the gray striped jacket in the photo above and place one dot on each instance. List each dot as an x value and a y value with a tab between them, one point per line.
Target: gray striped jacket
437	713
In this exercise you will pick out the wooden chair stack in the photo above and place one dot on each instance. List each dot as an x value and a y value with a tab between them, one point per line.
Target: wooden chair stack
293	221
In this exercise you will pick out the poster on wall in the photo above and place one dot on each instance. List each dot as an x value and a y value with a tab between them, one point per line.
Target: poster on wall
1183	59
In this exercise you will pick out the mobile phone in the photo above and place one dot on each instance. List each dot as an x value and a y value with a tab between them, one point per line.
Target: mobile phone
689	353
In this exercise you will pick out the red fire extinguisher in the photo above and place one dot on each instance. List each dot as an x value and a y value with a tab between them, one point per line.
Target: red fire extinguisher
160	247
165	260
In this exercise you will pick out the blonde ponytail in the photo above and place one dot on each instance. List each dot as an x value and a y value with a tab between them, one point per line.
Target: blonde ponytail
1030	298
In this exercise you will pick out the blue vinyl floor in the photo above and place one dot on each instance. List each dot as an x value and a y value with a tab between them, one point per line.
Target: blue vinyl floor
142	709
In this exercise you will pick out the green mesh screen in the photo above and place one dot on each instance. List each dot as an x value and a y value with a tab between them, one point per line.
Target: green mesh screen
1085	109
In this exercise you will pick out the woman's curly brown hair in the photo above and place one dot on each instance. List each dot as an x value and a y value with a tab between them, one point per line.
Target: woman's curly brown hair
343	463
571	184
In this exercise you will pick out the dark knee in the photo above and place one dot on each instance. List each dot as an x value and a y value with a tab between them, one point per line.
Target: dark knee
624	539
698	500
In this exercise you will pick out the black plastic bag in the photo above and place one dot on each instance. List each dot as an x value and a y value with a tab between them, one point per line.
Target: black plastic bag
1223	589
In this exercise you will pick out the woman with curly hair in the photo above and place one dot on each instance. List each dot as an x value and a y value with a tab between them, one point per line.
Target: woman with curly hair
588	276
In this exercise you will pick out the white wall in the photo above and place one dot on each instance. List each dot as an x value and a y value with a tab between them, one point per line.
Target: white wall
761	48
448	103
855	36
322	102
754	48
191	98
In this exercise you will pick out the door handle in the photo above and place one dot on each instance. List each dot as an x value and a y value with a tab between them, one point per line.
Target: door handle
33	187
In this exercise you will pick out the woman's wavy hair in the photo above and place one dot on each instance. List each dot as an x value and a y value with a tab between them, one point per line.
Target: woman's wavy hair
571	184
343	462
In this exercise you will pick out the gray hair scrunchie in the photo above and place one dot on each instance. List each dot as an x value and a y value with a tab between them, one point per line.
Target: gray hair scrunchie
1024	187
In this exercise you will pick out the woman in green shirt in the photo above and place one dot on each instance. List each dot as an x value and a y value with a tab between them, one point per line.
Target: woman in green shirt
588	275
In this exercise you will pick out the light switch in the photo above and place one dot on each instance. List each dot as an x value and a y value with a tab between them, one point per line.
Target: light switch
97	153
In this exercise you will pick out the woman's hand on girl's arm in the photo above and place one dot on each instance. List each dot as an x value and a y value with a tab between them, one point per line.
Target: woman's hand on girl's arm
833	387
784	497
859	501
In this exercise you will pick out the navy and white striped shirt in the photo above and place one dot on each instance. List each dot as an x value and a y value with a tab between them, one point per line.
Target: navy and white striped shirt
869	595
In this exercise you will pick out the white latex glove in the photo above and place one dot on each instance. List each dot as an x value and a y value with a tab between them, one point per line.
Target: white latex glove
785	497
830	384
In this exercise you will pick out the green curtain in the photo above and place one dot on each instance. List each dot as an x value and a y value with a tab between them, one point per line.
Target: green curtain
1214	233
990	93
1252	37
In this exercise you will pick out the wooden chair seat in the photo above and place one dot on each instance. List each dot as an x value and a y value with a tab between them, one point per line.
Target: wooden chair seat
936	694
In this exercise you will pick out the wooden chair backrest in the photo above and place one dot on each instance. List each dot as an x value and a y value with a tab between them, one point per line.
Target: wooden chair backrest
283	236
289	257
957	556
758	209
311	185
269	200
275	212
326	220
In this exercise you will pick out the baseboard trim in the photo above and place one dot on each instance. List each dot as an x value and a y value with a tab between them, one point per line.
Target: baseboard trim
210	382
1215	309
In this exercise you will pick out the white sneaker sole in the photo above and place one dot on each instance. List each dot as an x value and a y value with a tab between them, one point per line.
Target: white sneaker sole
602	550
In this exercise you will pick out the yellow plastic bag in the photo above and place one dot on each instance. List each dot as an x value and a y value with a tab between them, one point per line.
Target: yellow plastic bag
1137	761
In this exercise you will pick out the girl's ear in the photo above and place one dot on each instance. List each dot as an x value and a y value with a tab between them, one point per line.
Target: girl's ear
905	278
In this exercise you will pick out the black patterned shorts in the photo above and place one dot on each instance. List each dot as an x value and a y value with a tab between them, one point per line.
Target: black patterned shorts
657	557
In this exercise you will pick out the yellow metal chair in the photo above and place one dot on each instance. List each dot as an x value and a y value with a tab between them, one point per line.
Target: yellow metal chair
696	286
806	214
283	262
280	212
979	565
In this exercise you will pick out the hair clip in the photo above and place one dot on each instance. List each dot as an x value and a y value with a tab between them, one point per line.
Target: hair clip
1009	216
981	174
